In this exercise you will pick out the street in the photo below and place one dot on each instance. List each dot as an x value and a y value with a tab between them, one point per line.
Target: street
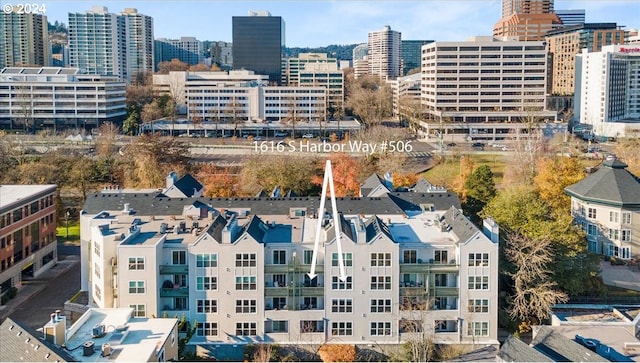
36	311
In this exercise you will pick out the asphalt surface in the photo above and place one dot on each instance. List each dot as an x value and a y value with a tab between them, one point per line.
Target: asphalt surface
35	311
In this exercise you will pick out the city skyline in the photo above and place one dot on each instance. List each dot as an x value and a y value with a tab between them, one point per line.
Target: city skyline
321	23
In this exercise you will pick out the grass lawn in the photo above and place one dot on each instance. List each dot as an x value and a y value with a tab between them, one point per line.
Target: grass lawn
74	233
445	172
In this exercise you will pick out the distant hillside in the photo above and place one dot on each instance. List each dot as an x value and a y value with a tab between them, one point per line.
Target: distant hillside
341	52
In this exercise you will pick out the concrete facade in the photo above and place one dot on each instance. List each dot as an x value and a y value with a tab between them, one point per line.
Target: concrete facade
25	39
384	49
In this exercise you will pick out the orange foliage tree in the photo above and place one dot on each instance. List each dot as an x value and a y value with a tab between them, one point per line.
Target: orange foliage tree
218	182
346	172
553	175
404	179
337	353
466	168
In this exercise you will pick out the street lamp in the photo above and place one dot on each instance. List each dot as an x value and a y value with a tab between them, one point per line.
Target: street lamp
66	218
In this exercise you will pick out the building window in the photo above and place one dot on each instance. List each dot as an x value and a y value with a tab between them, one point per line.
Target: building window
207	260
207	329
380	259
245	306
96	270
440	256
136	287
98	292
478	305
245	282
410	326
626	235
207	306
478	329
346	257
592	229
591	213
409	256
380	282
380	305
626	217
381	328
136	263
613	216
311	326
246	328
341	328
139	310
308	257
96	249
179	257
280	257
204	283
479	259
337	284
245	260
614	234
478	283
279	326
341	306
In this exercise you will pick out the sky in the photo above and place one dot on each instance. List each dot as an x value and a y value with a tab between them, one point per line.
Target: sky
318	23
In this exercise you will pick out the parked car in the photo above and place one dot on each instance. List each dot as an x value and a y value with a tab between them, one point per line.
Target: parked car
307	136
258	138
478	145
279	134
451	144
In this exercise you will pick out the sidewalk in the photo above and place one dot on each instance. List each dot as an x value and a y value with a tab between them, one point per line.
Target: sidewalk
620	276
30	289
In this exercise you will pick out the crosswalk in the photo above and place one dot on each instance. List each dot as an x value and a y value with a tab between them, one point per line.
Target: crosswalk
419	154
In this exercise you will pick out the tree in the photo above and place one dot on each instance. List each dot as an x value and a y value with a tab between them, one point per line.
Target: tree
153	157
480	189
200	67
234	109
292	117
337	353
265	172
404	179
628	150
151	112
107	138
466	169
370	99
218	182
130	125
534	291
171	66
346	175
553	175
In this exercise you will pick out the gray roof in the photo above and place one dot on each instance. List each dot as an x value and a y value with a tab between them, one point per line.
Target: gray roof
562	349
611	184
515	350
215	230
461	225
484	354
147	204
256	228
20	343
372	182
188	185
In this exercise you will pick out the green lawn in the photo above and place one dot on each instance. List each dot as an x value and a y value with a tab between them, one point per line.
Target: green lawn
445	172
74	233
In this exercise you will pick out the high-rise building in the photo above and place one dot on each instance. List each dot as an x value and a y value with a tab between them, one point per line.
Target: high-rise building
571	17
410	54
23	40
485	80
106	43
526	19
361	51
565	43
292	66
222	54
138	42
258	42
185	49
607	95
384	53
632	36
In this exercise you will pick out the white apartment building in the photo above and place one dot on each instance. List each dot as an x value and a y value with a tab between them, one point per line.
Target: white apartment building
105	43
292	66
413	264
361	67
222	96
607	98
482	87
605	205
24	38
406	95
52	96
384	52
326	75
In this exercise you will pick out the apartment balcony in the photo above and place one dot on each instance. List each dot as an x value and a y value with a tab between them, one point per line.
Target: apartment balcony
302	268
294	291
429	267
413	291
175	292
174	269
445	291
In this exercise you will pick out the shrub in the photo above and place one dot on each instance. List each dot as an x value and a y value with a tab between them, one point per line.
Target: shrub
337	353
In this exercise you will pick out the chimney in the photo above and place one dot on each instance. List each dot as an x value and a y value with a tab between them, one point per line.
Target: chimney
362	232
126	208
491	229
56	328
172	178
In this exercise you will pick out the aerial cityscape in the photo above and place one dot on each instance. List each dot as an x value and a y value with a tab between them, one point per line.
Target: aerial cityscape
336	181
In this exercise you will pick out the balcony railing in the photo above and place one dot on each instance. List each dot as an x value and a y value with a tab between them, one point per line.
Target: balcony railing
273	268
289	290
174	269
175	292
430	266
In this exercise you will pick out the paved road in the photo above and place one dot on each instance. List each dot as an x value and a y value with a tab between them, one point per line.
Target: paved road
36	311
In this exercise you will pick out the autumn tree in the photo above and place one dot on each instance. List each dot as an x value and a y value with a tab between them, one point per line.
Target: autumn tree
151	112
404	180
480	189
292	117
628	150
534	292
265	172
218	182
153	157
174	65
200	67
553	175
106	142
337	353
466	169
370	99
346	175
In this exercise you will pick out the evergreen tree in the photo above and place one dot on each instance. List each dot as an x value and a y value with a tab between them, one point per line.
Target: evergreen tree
480	189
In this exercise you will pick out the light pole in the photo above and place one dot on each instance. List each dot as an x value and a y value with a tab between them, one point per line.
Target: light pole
66	219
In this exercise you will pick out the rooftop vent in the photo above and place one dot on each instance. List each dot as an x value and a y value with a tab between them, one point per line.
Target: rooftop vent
88	348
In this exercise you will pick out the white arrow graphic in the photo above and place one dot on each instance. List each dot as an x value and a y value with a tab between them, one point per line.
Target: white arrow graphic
328	180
